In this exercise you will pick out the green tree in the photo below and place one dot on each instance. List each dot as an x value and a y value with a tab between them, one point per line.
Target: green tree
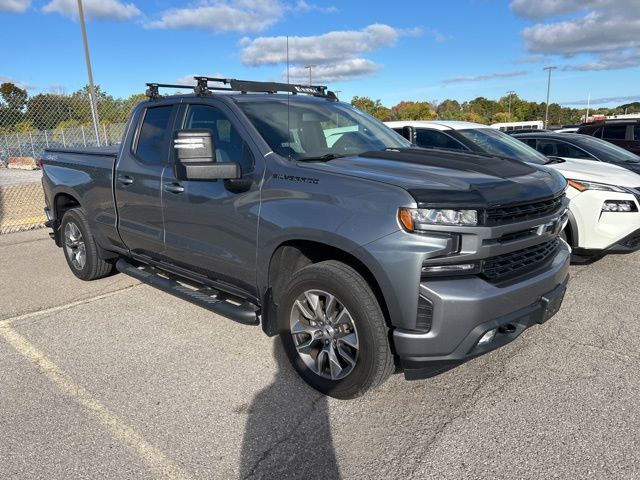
46	110
14	96
414	111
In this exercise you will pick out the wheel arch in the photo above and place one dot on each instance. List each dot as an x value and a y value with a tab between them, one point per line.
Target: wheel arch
292	255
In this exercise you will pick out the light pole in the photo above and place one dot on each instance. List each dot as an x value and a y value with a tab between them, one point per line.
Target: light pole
546	113
510	92
309	67
92	90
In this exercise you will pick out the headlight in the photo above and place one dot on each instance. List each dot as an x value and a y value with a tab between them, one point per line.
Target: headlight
582	185
416	219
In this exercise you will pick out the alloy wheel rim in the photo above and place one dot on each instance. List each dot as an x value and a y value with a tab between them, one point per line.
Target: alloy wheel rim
74	245
324	334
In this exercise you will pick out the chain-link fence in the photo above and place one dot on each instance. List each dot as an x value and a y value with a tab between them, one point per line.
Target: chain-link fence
31	123
31	144
21	207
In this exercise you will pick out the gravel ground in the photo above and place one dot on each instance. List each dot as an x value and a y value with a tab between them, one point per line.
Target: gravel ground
112	379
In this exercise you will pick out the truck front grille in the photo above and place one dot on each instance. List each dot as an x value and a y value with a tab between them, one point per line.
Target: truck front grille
518	213
520	262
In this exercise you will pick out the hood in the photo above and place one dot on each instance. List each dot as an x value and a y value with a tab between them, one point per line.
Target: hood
441	178
600	172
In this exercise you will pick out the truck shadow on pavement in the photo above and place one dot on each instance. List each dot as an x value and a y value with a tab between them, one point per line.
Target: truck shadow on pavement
288	433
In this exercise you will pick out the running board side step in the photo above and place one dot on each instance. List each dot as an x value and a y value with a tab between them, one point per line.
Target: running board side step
203	296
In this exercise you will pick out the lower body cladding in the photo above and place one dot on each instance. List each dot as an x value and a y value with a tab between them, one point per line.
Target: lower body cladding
472	317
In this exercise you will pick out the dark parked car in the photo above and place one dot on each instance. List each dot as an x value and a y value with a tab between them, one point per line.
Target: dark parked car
624	133
573	145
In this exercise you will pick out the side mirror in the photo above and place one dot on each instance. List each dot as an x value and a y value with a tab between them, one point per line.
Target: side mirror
407	132
195	157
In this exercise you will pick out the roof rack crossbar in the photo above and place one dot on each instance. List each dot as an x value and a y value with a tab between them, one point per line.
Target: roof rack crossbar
153	90
244	86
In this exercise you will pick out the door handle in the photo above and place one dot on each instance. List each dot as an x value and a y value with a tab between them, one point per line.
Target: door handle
174	188
125	179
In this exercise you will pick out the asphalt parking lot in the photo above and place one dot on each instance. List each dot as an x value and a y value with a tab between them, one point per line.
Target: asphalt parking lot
112	379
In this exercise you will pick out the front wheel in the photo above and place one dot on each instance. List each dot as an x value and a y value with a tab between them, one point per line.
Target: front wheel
334	331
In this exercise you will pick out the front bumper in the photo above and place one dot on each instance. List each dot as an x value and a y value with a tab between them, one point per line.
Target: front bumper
465	309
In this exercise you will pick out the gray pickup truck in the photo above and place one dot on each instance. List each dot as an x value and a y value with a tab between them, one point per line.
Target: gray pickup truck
277	205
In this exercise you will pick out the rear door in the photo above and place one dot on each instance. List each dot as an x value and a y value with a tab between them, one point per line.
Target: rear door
211	226
139	179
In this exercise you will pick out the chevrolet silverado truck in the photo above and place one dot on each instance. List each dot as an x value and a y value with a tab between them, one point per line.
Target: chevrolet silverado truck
279	206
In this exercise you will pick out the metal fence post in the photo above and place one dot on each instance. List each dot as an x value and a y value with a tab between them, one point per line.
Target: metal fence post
46	139
33	152
6	142
19	145
104	130
84	140
64	142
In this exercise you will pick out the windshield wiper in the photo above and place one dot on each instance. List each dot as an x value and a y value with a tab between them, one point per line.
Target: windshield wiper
554	160
321	158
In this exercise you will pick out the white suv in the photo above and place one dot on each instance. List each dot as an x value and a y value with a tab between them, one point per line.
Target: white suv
604	212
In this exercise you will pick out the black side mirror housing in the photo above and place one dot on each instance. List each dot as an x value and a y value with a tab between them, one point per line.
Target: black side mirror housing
195	157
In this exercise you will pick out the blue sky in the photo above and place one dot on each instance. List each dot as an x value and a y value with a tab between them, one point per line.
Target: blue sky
409	50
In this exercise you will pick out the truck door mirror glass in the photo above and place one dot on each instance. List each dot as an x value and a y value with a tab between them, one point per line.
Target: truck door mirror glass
195	157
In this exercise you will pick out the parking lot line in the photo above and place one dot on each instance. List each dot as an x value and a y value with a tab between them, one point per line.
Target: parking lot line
152	456
58	308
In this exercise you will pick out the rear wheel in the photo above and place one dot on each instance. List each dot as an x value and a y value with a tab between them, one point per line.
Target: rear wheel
80	248
334	331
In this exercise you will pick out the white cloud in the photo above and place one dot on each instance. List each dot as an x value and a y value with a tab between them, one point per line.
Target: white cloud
101	9
14	6
303	6
189	80
485	76
607	32
318	49
605	100
337	72
23	85
221	16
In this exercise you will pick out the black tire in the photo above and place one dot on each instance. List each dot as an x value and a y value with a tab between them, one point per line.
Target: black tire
93	267
375	362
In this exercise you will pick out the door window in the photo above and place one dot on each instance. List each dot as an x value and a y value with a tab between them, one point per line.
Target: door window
229	144
426	137
636	133
151	143
614	132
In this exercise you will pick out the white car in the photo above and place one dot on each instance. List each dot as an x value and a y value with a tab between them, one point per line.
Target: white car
604	212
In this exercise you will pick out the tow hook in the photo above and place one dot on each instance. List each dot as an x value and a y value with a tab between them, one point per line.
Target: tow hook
508	328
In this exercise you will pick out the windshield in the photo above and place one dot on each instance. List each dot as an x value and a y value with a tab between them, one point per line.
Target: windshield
300	129
494	142
604	150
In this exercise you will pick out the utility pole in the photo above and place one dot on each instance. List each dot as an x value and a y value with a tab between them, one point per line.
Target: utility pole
92	90
309	67
546	113
586	116
510	92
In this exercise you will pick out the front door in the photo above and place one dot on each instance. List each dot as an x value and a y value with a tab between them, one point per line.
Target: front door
211	226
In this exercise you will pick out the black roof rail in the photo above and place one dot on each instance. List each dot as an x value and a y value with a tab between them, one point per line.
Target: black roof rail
243	86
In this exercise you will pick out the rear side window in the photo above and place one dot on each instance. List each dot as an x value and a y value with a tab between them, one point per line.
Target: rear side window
530	141
153	134
614	132
636	133
435	139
